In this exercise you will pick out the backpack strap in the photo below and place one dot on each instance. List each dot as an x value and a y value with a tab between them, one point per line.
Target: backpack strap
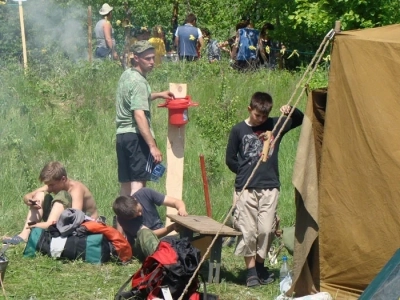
153	283
204	286
124	295
149	282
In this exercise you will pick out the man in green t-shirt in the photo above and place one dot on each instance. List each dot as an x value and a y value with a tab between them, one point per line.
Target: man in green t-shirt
137	151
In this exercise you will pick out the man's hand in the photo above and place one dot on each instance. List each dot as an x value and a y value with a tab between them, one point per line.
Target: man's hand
167	94
164	95
285	109
157	155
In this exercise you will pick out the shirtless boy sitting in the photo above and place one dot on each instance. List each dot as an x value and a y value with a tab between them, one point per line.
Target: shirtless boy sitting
48	202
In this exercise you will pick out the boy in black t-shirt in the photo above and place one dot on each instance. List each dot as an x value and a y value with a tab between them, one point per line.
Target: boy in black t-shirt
255	209
138	219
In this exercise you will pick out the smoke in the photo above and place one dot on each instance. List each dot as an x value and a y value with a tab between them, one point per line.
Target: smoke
51	26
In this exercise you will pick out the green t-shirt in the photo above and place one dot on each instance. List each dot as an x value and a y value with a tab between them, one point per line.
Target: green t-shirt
133	93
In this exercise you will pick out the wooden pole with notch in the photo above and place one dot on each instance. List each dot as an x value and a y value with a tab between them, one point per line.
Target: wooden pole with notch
175	154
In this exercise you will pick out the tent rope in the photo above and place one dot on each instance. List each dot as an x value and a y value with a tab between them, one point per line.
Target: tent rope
324	44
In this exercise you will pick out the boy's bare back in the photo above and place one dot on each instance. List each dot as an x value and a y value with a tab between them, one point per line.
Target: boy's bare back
82	198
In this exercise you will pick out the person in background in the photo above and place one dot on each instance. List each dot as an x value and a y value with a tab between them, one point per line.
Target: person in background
188	39
143	34
245	48
212	49
48	202
105	35
255	210
140	222
157	40
265	45
229	43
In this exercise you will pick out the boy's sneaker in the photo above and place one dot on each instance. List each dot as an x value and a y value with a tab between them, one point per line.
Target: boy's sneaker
265	277
252	281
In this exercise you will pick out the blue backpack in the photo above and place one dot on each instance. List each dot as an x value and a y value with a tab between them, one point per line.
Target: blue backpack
248	41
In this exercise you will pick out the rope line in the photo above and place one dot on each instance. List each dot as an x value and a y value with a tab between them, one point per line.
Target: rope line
324	44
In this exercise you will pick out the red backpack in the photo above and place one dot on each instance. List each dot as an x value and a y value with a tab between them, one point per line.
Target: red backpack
171	265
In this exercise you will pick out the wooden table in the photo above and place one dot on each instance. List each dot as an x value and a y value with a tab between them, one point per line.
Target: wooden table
205	226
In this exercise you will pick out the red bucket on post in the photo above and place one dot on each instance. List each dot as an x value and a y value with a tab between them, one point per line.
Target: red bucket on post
178	110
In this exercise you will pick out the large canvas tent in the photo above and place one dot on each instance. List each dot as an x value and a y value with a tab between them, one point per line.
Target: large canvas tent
347	170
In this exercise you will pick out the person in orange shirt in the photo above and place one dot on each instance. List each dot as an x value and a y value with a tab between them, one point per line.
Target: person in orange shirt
157	40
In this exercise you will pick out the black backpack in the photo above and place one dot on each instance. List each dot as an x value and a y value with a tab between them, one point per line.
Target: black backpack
171	265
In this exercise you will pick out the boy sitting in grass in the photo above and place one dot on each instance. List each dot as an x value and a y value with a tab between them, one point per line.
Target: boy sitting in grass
255	209
45	209
138	219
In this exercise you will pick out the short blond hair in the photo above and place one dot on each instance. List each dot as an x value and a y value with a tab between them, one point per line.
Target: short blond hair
53	170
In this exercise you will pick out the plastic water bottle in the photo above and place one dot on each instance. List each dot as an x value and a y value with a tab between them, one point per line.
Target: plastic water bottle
284	269
157	172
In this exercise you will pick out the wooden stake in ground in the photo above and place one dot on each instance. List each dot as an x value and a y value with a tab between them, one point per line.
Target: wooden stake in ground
21	20
175	154
337	26
90	47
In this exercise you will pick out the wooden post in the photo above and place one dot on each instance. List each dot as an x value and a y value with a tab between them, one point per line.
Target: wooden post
21	20
175	154
90	47
337	26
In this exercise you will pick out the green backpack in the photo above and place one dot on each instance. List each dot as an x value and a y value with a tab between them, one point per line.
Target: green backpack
92	248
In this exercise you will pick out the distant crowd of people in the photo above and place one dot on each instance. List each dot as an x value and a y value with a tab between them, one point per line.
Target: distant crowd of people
248	48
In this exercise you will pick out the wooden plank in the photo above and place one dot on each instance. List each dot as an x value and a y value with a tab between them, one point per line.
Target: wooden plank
204	225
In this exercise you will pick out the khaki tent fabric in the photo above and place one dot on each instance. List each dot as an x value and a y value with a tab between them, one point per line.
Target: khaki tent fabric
348	185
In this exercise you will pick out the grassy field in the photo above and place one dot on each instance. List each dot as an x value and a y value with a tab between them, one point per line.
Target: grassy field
64	111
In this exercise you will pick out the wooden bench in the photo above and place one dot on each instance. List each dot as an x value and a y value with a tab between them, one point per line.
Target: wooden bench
205	226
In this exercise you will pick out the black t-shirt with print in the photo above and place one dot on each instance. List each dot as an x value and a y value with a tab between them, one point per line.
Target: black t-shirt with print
245	147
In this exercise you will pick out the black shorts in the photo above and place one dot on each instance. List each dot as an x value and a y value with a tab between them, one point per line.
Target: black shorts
134	158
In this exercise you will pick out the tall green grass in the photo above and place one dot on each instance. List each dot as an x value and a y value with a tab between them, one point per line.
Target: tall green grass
67	113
